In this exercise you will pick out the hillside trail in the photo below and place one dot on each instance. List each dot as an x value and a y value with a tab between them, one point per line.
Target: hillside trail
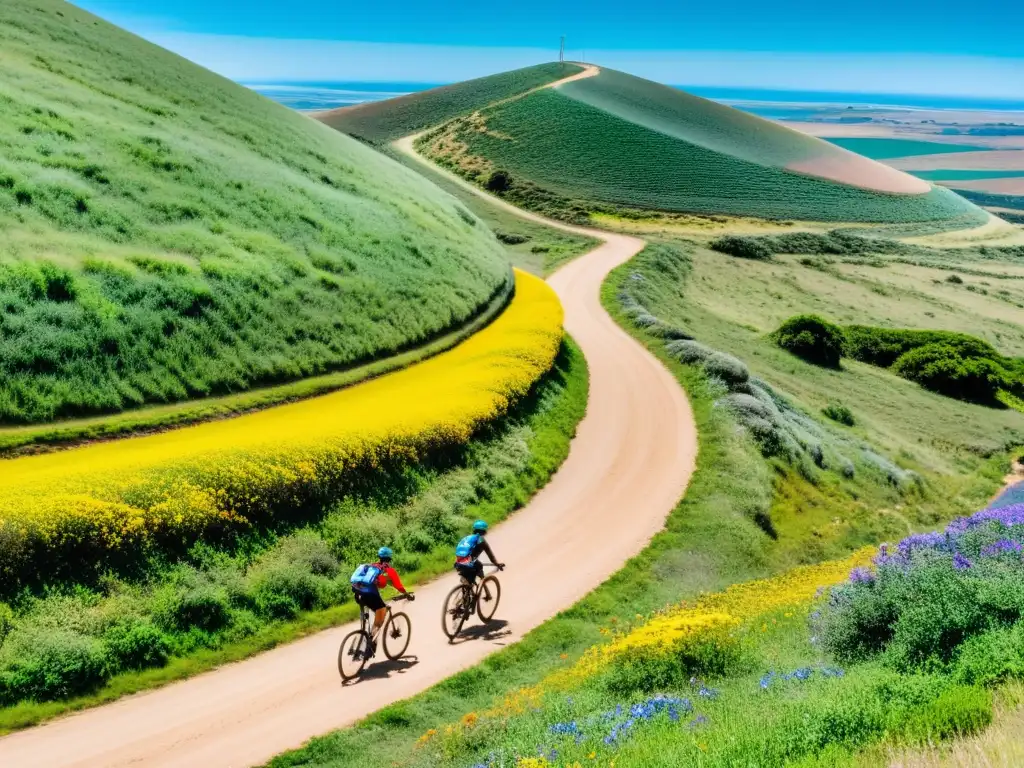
627	468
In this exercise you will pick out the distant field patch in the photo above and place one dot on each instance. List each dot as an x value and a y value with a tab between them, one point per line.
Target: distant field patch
964	175
887	149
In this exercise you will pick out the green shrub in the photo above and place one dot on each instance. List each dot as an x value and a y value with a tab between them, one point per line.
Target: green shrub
743	247
944	369
688	351
839	413
955	280
859	622
992	657
498	182
204	606
46	664
958	711
6	621
666	669
883	346
510	238
813	339
135	643
724	366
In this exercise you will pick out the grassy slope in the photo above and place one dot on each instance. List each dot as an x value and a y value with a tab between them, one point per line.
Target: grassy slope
16	440
710	541
619	140
732	303
384	121
169	234
421	512
543	249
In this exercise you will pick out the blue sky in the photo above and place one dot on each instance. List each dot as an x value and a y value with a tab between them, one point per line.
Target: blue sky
889	46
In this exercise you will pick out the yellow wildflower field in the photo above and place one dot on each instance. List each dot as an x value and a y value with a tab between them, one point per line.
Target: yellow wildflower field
177	485
708	616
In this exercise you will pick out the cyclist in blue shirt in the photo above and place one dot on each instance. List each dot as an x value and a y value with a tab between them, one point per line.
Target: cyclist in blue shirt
468	551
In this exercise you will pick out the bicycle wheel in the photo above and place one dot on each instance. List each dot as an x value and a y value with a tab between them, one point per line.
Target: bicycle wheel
487	599
397	633
454	614
353	654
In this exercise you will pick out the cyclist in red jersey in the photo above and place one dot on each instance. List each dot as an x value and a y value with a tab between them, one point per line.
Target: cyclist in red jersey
368	595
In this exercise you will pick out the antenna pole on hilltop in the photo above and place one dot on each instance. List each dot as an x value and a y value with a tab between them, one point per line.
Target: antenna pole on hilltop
561	50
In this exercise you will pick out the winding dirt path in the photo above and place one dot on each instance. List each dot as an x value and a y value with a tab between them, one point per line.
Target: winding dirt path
627	468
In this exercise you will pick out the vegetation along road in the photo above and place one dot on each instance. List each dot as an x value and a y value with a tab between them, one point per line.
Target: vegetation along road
638	434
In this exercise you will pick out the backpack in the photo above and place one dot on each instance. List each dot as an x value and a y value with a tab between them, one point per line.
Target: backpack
365	577
467	545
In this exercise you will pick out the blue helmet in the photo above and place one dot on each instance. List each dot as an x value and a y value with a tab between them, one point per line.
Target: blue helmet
385	553
479	527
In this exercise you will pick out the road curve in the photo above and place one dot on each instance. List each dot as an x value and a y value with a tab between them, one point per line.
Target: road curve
627	468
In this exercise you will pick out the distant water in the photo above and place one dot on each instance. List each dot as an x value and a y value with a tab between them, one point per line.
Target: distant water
793	105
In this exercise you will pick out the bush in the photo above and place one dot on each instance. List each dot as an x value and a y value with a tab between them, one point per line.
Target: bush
6	621
135	643
742	247
299	574
813	339
727	368
690	352
48	664
942	368
204	606
883	346
498	182
709	655
510	238
839	413
958	711
992	657
955	280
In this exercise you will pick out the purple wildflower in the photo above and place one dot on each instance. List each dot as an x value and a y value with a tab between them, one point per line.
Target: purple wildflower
1002	547
960	562
861	576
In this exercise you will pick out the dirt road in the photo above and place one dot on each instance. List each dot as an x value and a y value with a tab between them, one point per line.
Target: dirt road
627	468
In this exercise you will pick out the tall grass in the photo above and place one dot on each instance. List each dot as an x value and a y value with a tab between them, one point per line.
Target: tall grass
171	235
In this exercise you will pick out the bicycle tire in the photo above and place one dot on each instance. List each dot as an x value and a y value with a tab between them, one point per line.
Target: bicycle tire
396	635
489	594
454	608
355	646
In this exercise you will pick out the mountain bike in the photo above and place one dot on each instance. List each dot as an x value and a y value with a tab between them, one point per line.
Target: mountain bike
464	600
358	647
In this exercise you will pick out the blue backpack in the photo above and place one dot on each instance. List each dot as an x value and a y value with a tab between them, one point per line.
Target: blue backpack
365	577
467	545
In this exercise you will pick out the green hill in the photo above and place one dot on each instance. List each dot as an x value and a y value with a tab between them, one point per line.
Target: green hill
618	140
390	119
168	234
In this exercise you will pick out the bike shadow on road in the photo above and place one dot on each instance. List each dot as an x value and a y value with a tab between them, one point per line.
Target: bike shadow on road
494	631
384	669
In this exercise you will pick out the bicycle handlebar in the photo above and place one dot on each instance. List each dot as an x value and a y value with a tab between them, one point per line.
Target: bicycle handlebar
499	566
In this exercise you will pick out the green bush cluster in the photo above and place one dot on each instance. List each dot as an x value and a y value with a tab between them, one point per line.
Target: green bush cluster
953	364
743	247
812	338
